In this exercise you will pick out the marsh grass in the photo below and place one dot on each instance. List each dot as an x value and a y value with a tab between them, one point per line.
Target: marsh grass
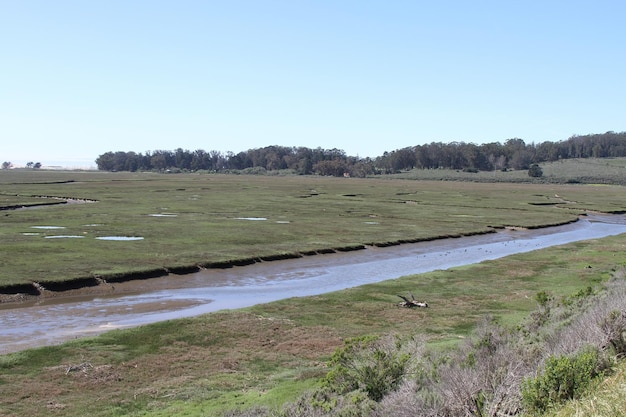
203	217
268	354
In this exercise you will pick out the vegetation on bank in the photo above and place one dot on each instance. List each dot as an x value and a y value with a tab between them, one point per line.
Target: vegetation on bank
567	347
269	355
185	221
556	355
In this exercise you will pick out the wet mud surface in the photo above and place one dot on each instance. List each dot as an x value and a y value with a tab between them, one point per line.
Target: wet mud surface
56	317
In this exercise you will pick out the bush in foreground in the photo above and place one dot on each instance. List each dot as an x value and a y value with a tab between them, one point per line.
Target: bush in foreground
554	357
563	378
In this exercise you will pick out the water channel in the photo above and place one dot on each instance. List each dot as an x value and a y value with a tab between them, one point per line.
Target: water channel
51	321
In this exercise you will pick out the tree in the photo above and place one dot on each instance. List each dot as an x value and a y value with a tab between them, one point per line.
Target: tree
6	165
106	161
535	171
497	162
335	168
30	164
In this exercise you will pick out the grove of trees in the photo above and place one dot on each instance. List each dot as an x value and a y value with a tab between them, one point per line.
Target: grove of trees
512	154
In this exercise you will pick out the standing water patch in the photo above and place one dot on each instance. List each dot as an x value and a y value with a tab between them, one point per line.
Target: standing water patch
120	238
251	218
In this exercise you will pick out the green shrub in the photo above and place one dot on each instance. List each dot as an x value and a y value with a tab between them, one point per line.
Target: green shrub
372	365
562	379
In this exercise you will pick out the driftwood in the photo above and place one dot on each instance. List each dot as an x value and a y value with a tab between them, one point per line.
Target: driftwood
412	302
76	368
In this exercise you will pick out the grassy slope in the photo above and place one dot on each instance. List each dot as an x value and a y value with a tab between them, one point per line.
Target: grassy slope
586	171
269	353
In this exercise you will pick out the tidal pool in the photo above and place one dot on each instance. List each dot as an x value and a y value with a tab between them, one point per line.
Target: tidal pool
51	321
120	238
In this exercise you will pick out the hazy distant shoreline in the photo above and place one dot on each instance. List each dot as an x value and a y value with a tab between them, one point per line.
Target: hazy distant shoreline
83	164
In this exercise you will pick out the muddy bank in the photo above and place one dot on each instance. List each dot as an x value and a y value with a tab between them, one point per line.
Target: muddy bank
56	201
103	284
33	205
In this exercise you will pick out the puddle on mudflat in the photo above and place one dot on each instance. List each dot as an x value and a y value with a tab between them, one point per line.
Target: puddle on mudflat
64	237
251	218
163	215
120	238
48	227
31	234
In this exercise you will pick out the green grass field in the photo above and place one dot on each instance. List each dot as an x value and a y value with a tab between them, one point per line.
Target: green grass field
199	219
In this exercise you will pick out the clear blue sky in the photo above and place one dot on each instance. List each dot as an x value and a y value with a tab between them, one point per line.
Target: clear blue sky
80	78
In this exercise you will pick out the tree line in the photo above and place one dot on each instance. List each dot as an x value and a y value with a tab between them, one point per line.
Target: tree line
512	154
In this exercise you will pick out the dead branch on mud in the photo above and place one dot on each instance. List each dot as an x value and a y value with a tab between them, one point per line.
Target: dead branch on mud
412	302
81	367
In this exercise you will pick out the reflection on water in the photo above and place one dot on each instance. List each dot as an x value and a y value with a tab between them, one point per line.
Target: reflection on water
216	289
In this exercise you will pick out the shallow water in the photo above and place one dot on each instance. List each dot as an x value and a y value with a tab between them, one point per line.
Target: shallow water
120	238
55	320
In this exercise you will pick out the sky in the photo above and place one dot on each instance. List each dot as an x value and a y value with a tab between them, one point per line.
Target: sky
81	78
